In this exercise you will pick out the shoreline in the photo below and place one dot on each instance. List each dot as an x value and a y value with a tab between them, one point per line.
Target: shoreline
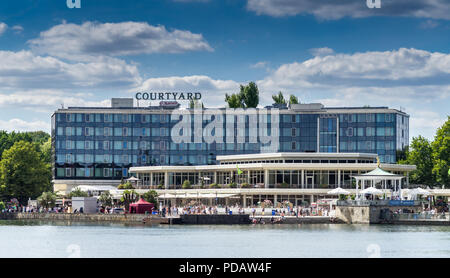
194	219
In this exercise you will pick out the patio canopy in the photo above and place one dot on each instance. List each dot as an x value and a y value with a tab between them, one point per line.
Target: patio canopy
87	188
195	196
372	191
338	191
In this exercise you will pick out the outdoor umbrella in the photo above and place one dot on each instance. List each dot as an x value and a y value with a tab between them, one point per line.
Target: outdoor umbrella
372	191
338	191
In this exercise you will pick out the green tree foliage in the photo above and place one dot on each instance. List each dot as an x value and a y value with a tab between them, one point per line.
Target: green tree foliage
441	154
47	199
420	154
106	199
150	196
186	185
2	206
78	193
248	97
23	174
293	99
126	185
46	151
7	140
128	197
279	99
234	101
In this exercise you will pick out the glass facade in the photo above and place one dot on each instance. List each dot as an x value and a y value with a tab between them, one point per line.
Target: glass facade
98	145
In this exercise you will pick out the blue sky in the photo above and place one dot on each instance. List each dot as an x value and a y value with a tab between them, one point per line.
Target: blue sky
340	53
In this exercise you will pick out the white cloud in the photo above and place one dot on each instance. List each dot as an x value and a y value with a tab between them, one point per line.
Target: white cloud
402	67
24	70
323	51
21	125
259	65
213	91
47	101
91	39
17	29
3	28
332	9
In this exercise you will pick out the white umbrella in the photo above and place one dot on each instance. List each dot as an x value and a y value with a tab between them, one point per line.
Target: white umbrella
372	191
338	191
419	191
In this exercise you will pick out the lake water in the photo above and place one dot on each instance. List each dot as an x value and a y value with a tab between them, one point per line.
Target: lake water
39	239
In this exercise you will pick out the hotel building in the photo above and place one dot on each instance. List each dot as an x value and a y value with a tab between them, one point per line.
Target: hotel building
316	148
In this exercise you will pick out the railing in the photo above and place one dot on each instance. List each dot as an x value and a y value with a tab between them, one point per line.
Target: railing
421	216
378	203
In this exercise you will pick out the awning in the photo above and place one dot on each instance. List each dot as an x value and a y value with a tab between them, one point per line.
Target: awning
195	196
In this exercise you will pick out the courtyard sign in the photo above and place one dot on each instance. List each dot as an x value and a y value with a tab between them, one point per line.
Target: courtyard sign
168	96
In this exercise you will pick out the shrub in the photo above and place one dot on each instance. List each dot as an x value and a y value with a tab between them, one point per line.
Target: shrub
232	185
245	185
187	185
214	185
127	185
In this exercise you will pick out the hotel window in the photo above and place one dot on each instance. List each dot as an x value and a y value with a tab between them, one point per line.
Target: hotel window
125	159
370	131
88	118
79	131
349	132
370	118
70	131
89	131
70	117
294	132
98	118
106	145
79	118
69	172
118	131
107	172
164	131
88	145
108	118
387	118
294	146
125	131
69	158
89	158
107	131
360	131
80	145
60	131
79	158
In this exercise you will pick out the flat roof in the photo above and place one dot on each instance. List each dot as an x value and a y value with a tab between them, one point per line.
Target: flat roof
294	155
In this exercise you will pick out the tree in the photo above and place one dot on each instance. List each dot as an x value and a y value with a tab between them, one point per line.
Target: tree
279	99
23	174
106	199
126	185
77	193
250	95
46	151
441	154
150	196
234	101
293	99
47	199
420	154
128	197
